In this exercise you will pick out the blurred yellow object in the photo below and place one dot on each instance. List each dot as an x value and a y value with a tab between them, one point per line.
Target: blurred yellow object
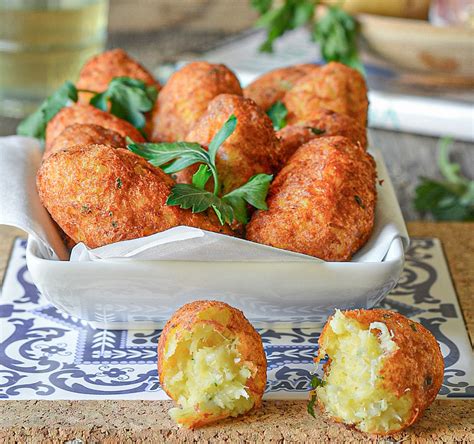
42	44
416	9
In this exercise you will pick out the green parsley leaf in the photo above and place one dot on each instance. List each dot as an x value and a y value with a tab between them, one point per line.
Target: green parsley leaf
451	199
337	32
277	113
261	6
303	13
35	124
315	382
201	176
188	196
253	192
174	157
310	406
221	136
159	154
129	99
287	15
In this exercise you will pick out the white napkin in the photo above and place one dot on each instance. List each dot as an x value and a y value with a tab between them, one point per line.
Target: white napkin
20	206
20	158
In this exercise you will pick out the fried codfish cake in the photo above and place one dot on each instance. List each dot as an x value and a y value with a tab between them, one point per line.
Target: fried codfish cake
334	86
211	362
383	370
251	149
324	124
99	195
99	70
79	113
322	203
272	86
85	134
185	97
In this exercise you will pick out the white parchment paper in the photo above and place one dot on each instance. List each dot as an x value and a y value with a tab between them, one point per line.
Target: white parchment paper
20	158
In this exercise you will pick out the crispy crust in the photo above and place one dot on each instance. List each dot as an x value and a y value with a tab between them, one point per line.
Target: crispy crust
322	203
416	367
99	195
99	70
272	86
250	347
335	87
251	149
85	134
79	113
332	123
185	97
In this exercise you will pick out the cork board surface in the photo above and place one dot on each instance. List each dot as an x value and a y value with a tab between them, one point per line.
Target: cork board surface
276	421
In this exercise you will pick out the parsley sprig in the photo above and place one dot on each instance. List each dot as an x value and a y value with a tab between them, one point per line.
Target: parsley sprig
451	199
129	99
35	124
315	383
173	157
336	31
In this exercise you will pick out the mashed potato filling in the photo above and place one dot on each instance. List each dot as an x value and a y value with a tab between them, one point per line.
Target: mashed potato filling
353	386
208	374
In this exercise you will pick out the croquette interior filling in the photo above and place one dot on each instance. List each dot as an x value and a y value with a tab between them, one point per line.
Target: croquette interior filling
208	373
353	388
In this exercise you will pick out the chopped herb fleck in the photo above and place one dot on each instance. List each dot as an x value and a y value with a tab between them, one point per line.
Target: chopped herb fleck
386	316
315	382
413	327
85	209
118	182
428	381
310	406
316	131
110	213
359	201
114	224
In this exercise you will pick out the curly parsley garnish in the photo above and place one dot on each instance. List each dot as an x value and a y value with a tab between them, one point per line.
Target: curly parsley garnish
173	157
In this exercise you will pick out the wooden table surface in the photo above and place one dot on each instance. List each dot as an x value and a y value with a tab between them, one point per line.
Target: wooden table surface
276	421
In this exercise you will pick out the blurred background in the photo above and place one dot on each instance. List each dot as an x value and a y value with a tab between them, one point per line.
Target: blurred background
418	56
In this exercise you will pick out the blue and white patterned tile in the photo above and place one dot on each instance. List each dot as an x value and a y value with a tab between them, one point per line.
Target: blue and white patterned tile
46	354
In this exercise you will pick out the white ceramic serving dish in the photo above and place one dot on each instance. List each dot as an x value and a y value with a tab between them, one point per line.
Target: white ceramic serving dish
142	294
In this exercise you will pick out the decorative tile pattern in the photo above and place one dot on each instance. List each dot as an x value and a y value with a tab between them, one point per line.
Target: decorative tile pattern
45	353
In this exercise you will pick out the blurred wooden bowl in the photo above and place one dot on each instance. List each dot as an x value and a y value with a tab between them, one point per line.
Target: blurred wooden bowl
419	46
